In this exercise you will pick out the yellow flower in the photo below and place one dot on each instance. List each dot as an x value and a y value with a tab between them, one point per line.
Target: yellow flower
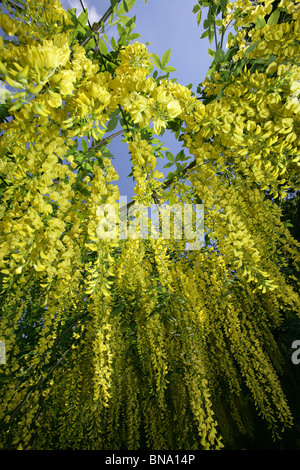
55	100
158	125
135	57
8	25
174	108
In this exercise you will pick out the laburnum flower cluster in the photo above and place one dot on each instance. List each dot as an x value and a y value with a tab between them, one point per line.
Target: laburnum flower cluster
109	341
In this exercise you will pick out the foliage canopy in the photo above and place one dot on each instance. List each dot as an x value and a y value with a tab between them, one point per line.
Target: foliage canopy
130	343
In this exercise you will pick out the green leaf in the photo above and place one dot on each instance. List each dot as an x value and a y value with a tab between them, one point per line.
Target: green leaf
165	58
114	44
169	69
121	29
102	46
180	156
125	6
78	157
206	23
84	146
238	67
229	54
225	76
130	25
271	59
196	8
170	156
230	36
211	52
83	17
4	112
274	18
72	14
113	3
251	48
211	35
220	94
168	165
112	124
260	23
124	19
223	5
156	61
211	70
81	22
115	114
199	16
88	166
219	22
134	36
117	310
219	56
106	153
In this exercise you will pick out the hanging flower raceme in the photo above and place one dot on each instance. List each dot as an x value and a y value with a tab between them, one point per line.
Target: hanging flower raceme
135	60
117	333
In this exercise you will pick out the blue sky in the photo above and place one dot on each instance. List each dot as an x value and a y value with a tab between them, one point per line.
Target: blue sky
166	24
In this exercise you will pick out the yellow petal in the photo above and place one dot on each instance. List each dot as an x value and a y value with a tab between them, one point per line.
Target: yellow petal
174	109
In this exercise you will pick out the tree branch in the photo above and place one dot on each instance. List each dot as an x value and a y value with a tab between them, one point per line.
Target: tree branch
3	181
12	4
62	358
215	31
104	18
96	26
84	9
164	186
103	141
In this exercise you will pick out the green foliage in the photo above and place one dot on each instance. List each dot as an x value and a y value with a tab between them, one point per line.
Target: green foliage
79	24
212	22
140	342
4	112
162	63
